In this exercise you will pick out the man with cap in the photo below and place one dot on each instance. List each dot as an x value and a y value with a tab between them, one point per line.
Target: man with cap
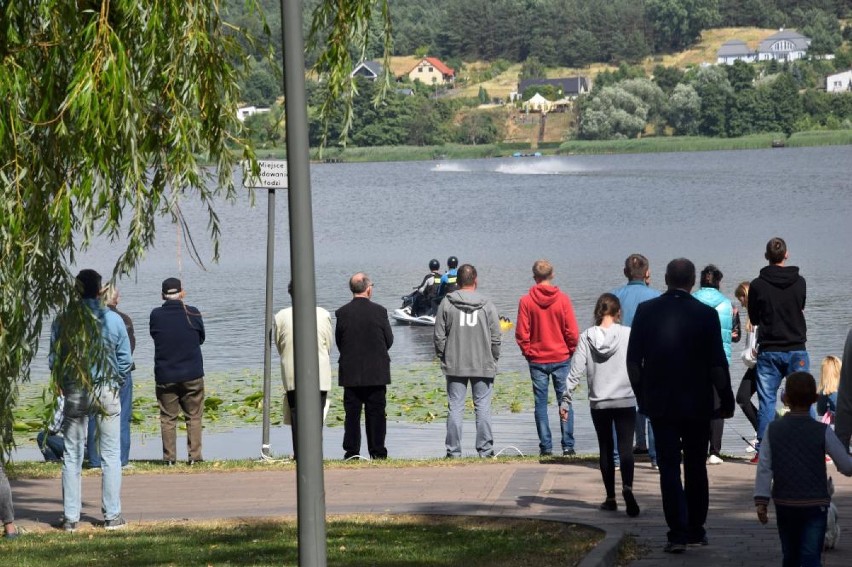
178	333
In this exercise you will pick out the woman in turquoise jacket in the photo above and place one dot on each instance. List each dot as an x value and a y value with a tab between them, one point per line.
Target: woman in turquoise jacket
709	294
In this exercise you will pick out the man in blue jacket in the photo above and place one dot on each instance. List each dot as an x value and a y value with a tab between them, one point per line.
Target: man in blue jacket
637	270
178	333
109	360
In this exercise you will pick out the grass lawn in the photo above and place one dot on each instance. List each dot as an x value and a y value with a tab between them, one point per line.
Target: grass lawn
17	470
351	541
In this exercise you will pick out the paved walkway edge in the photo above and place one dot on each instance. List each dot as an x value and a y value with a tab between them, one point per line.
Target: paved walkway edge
605	554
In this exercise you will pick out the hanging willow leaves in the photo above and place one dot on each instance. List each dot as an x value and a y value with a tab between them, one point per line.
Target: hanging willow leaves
112	111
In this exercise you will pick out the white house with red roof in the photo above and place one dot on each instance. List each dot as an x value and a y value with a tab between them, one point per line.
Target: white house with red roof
432	71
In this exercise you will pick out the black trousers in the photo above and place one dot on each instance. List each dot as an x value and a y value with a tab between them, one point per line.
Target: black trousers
685	502
372	399
624	422
717	429
291	402
747	389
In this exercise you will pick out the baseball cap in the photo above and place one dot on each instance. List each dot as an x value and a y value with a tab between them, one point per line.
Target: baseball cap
171	285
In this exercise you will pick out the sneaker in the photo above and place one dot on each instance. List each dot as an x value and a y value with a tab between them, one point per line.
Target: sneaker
699	543
545	453
169	463
569	453
828	460
714	460
66	525
755	459
192	462
128	466
751	446
12	535
115	524
630	503
655	466
609	505
618	467
672	547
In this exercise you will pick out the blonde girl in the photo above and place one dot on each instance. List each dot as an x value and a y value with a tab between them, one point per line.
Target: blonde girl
829	379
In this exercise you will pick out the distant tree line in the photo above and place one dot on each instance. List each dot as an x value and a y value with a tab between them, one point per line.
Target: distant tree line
401	119
720	101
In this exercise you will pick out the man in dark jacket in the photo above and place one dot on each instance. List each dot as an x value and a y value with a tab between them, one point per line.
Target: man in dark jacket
178	333
675	360
363	336
776	303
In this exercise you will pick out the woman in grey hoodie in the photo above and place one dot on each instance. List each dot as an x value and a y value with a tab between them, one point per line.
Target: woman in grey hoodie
602	356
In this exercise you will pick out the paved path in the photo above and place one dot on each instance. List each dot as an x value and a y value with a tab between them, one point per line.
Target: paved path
559	491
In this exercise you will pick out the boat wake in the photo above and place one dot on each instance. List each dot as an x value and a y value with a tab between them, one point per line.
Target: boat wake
539	167
451	167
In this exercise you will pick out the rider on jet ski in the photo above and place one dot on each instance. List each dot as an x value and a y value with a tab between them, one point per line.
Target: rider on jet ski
424	296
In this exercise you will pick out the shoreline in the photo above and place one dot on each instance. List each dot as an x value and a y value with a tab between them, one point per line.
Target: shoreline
665	144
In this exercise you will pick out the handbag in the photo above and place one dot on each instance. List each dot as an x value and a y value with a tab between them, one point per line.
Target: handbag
749	354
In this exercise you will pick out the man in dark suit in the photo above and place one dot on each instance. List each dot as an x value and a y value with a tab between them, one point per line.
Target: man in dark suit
363	336
675	360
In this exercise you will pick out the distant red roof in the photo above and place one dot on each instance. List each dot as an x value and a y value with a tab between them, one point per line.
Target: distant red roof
437	64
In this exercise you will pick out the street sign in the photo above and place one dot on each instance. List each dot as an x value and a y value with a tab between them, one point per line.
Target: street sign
273	175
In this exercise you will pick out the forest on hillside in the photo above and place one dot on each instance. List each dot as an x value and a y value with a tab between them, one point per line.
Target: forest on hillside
564	32
556	33
717	101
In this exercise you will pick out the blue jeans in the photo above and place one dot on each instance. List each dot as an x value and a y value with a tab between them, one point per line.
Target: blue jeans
51	446
772	367
642	441
481	390
78	406
542	374
802	531
125	395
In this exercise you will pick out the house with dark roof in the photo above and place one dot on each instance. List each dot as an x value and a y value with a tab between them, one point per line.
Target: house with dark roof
370	70
432	71
784	45
735	50
567	87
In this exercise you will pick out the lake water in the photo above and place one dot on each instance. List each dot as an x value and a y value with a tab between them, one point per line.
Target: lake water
584	213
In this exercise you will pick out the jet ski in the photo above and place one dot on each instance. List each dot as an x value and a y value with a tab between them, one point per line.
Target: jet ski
405	316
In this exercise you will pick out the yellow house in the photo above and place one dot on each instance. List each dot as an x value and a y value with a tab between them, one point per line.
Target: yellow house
431	71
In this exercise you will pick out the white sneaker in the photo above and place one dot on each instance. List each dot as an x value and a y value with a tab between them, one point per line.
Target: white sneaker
750	448
714	460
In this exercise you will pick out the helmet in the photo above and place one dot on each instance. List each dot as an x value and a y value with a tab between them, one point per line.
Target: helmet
452	262
434	264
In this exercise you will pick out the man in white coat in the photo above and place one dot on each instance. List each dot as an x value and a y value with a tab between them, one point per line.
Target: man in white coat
284	342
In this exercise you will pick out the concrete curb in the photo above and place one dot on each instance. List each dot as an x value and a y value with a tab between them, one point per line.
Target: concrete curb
605	554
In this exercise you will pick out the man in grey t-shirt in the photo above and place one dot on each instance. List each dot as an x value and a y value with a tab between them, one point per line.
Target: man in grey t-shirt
467	340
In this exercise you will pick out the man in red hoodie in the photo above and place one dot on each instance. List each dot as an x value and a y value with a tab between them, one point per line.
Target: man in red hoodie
547	333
